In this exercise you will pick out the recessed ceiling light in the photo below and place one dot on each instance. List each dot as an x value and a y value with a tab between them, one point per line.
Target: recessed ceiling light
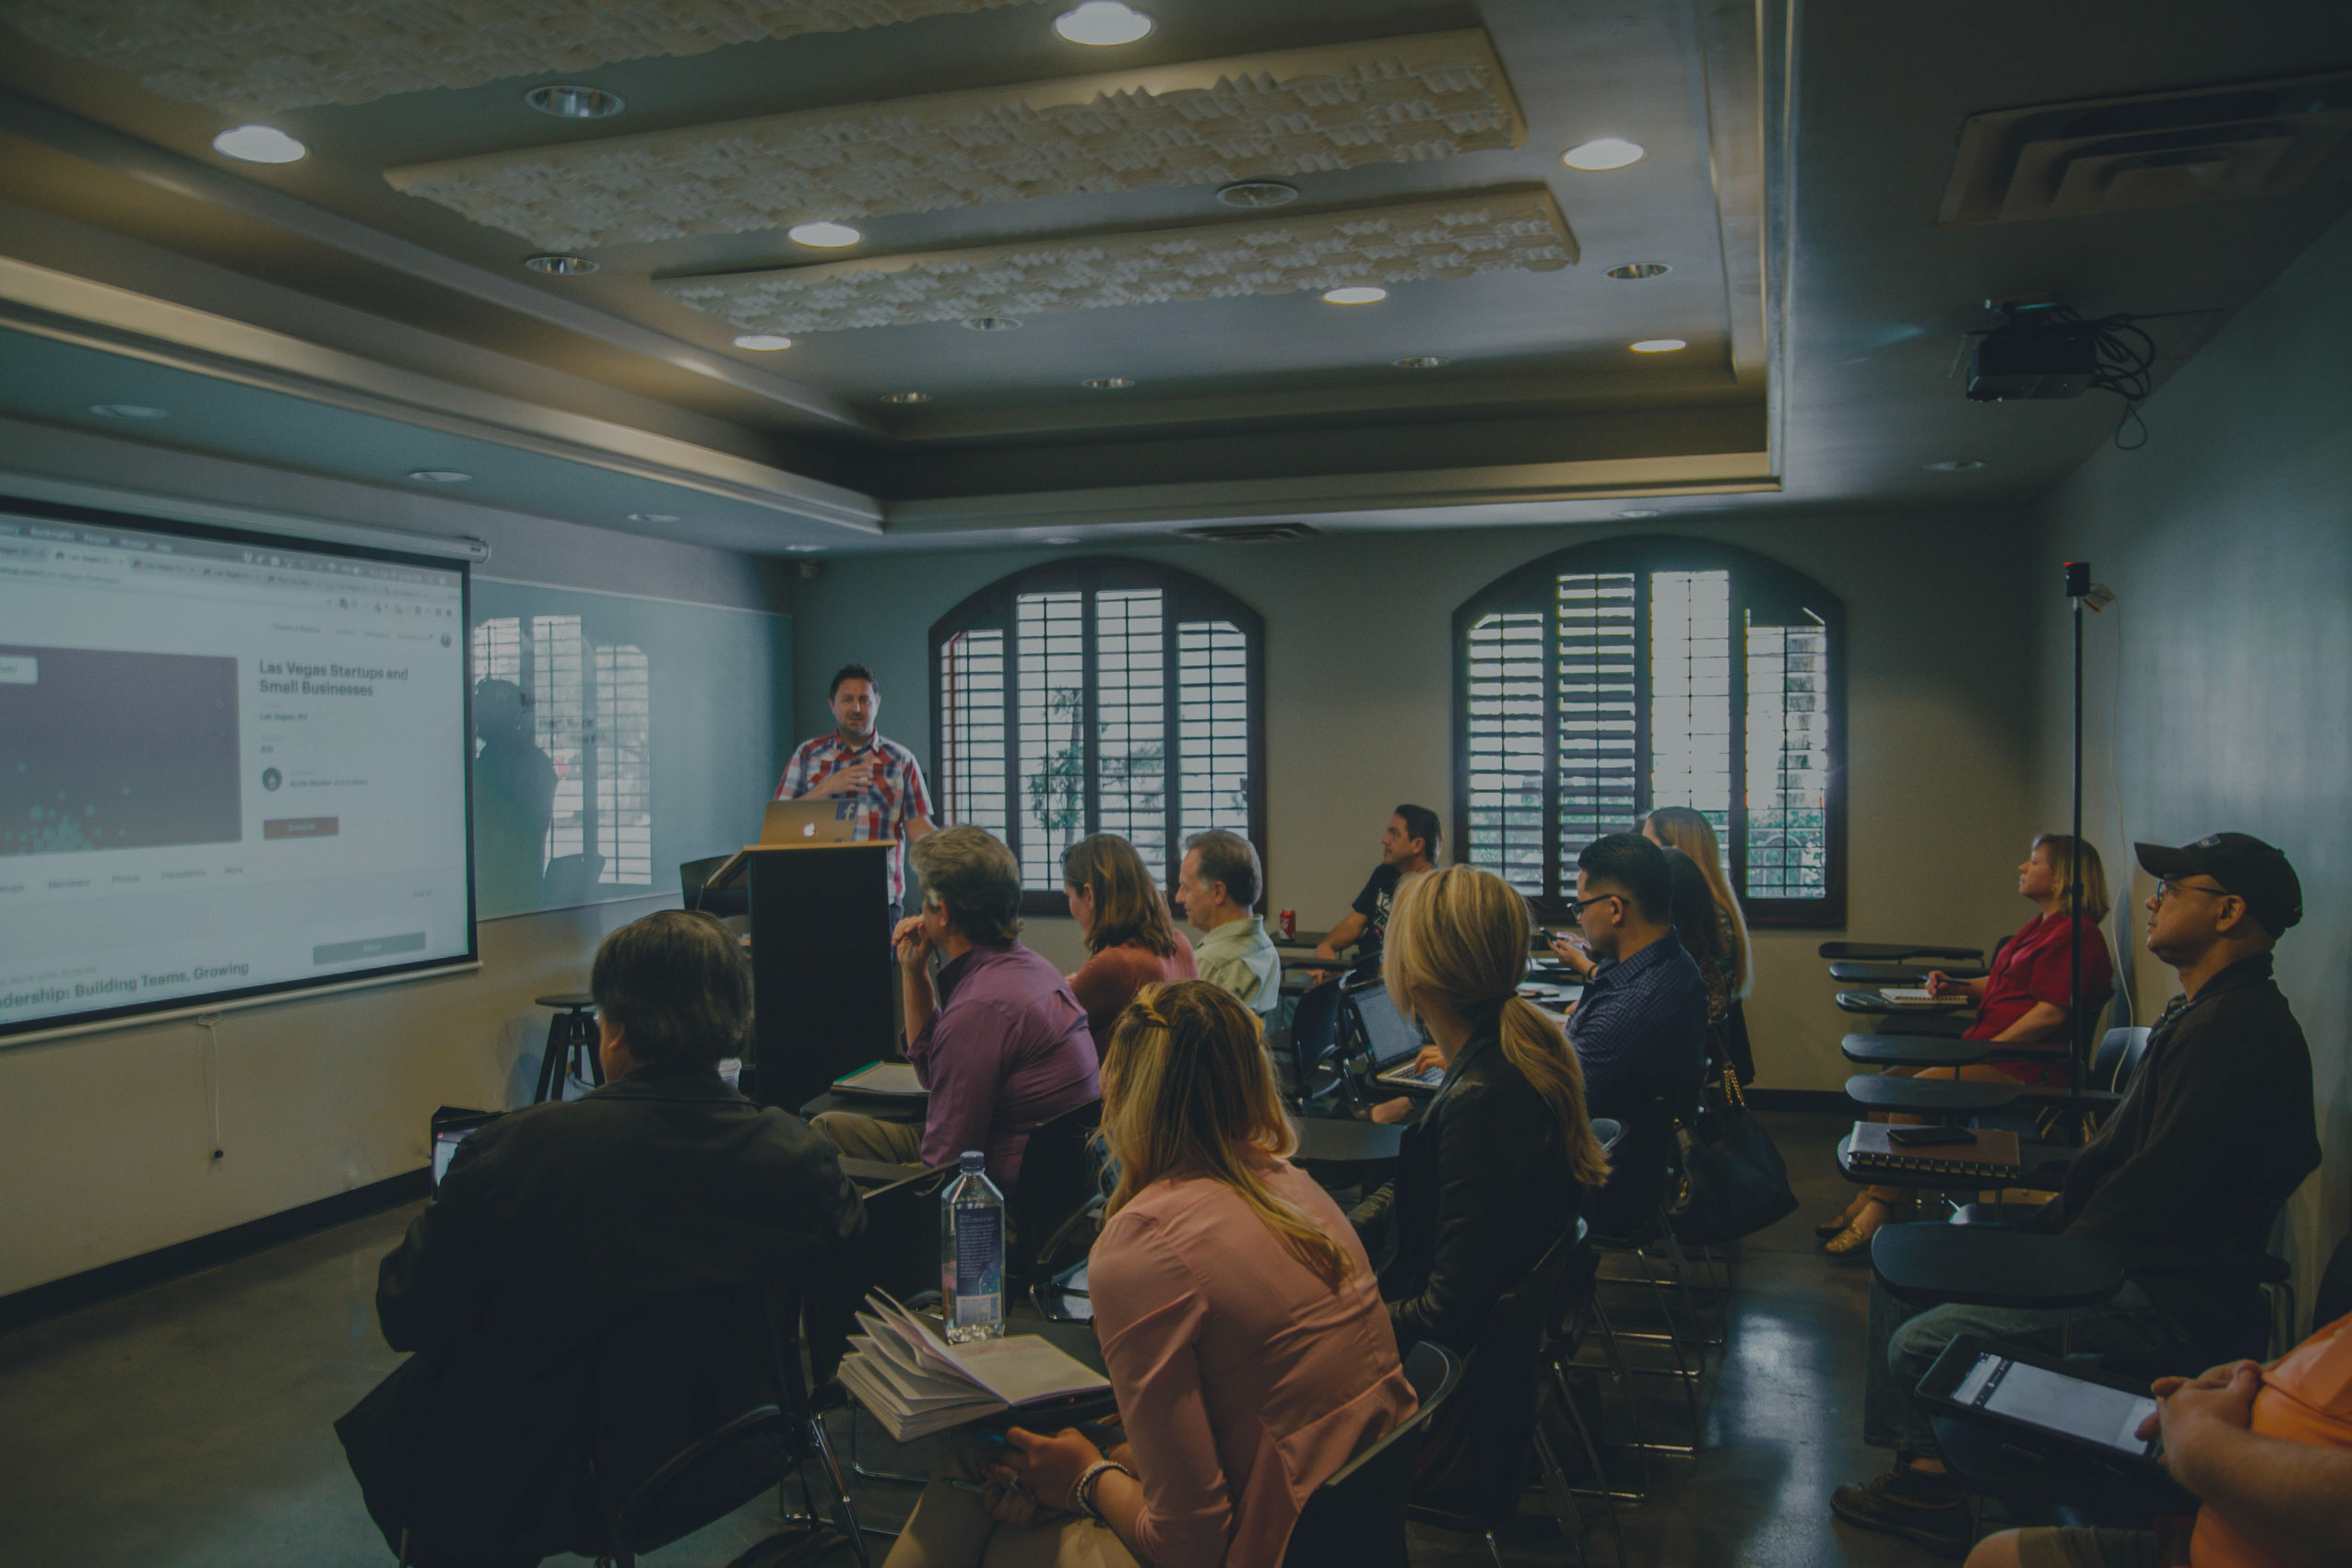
1602	152
1956	466
258	143
1103	22
763	342
653	517
1106	384
575	103
1354	294
1638	512
561	267
823	235
992	324
906	397
127	411
1659	345
804	549
1636	270
1063	540
1418	362
438	476
1258	194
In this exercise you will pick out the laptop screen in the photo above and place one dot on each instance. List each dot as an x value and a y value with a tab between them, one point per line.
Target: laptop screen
1389	1035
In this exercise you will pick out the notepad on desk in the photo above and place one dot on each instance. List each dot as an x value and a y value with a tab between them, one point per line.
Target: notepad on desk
916	1382
1918	997
882	1080
1990	1155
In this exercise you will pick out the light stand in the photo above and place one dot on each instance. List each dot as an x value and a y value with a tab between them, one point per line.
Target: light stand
2078	587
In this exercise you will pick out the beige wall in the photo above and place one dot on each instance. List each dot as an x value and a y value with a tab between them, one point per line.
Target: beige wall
1358	687
2218	692
105	1138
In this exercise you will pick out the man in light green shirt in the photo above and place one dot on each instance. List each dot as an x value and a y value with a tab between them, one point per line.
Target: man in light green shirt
1217	885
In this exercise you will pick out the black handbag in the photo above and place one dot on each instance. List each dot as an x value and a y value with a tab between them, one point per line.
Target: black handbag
1733	1182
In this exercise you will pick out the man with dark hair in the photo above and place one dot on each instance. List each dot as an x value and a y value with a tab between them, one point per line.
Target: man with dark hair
2212	1137
1218	884
1408	845
556	1221
854	758
998	1039
1640	1028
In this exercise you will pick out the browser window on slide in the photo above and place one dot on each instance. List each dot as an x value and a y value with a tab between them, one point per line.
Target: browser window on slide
224	765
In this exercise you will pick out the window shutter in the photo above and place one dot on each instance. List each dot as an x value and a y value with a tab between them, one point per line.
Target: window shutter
1212	732
1131	731
1788	759
1049	668
1599	721
1504	828
971	759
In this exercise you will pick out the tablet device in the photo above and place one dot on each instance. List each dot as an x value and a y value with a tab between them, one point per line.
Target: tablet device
2045	1404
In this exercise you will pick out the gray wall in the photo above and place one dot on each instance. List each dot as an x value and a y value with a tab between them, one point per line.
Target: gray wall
1358	687
2218	692
105	1138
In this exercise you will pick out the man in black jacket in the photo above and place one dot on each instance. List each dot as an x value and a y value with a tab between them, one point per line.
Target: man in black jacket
555	1223
2212	1137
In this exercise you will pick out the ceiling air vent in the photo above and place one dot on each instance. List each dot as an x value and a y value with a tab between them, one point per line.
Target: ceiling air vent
2156	150
1250	533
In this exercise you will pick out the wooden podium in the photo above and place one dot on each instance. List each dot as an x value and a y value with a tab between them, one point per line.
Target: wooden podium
821	970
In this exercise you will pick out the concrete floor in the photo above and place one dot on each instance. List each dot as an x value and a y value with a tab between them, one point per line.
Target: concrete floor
188	1426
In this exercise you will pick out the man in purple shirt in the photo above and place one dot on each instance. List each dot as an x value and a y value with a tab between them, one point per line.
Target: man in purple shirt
997	1038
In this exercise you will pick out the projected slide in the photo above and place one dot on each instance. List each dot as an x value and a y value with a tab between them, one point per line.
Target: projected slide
227	766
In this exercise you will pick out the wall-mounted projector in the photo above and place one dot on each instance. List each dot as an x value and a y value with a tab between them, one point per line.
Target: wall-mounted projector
2040	349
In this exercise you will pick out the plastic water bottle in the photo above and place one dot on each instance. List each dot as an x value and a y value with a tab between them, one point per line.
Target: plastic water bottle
972	1254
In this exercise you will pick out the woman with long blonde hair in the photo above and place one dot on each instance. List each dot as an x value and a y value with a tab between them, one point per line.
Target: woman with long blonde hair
1678	826
1239	1318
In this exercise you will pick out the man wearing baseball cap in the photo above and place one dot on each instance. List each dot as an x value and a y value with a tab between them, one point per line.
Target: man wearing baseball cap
2212	1137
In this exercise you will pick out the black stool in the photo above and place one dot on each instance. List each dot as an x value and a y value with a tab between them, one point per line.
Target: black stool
571	1040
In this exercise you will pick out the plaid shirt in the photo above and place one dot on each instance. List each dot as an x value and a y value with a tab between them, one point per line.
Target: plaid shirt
895	795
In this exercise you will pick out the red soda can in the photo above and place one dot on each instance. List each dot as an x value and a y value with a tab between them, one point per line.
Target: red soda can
1288	920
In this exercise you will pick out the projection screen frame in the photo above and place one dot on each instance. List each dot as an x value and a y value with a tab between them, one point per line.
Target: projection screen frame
460	561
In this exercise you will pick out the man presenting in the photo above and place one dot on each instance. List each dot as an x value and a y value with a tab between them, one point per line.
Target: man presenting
1217	885
1408	845
2212	1137
558	1221
856	760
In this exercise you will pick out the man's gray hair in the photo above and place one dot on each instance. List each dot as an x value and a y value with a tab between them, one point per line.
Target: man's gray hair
968	873
1230	859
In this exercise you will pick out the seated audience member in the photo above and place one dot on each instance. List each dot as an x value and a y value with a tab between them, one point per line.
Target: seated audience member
1218	886
1678	826
998	1039
2214	1135
555	1221
2266	1450
1408	846
1696	928
2024	1000
1640	1028
1239	1320
1131	942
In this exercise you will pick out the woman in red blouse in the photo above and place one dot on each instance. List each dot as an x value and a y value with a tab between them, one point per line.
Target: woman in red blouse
1131	942
2023	1001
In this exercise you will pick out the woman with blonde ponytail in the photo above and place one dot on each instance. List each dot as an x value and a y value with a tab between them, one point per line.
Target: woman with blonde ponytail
1239	1319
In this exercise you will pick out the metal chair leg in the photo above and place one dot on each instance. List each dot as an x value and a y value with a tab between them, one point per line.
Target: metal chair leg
845	1512
1565	1512
862	1473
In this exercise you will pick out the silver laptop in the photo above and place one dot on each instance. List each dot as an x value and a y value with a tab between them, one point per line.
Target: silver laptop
833	820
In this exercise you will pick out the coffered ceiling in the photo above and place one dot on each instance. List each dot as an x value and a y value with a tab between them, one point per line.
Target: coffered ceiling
1085	286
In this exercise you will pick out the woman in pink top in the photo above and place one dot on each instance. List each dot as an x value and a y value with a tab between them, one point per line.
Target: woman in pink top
1241	1324
1130	939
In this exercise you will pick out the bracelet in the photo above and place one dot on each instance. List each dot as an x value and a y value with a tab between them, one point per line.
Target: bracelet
1081	1491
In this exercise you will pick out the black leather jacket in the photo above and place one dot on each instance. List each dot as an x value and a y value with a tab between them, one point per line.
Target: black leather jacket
552	1224
1482	1187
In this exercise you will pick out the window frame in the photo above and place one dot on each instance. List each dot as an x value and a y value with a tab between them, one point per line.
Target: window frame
1755	580
1184	599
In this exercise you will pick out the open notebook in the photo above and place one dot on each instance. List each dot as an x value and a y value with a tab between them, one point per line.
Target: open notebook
916	1383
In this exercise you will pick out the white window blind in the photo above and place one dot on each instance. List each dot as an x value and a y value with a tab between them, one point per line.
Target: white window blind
592	714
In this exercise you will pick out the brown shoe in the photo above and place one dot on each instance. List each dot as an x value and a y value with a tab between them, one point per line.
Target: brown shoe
1921	1506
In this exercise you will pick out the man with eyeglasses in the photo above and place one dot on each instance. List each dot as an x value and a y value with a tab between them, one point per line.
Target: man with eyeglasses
1640	1028
2212	1137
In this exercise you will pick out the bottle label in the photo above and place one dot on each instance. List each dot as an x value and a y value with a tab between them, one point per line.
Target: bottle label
979	1264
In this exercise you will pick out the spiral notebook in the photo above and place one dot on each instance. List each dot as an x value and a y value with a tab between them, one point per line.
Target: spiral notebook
1990	1155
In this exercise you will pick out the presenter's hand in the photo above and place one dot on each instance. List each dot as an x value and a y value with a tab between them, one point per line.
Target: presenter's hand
856	779
1050	1464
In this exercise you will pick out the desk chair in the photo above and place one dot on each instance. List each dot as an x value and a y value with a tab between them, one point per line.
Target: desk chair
1059	1187
1863	972
1897	952
1628	1215
692	879
1357	1517
1316	1044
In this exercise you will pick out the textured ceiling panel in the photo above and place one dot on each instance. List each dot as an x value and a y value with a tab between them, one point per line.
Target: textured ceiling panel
257	56
1514	230
1211	122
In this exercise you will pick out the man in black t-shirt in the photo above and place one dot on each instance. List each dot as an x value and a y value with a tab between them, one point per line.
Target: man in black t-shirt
1409	845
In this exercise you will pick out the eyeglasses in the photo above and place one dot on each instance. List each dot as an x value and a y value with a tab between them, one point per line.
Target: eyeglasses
2166	890
1577	906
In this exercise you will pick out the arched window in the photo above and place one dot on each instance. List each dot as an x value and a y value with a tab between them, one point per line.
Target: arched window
1602	681
1099	696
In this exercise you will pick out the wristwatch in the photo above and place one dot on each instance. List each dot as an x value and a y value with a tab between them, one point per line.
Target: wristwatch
1082	1491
